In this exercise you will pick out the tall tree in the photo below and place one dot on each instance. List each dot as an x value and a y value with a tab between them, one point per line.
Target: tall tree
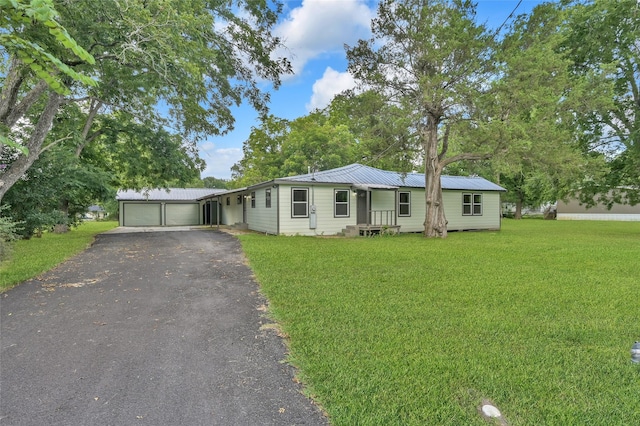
604	38
57	190
179	64
533	107
213	182
280	147
381	130
262	157
316	143
32	46
430	59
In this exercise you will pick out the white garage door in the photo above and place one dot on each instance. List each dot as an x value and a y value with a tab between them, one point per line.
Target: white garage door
182	214
147	214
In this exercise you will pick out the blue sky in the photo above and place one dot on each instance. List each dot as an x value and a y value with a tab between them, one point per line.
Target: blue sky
315	32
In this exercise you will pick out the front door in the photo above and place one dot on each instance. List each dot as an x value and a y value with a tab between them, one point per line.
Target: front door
364	204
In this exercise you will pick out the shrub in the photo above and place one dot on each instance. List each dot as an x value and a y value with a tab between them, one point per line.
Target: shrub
9	231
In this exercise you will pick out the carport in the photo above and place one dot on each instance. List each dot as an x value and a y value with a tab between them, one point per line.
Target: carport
166	207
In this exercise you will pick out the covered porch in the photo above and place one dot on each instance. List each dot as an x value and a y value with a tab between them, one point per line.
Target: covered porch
375	216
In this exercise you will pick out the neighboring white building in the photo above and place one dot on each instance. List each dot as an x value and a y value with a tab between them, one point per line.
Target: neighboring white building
356	198
573	210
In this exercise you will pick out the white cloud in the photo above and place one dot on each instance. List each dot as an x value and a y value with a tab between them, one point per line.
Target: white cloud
322	26
207	146
331	83
219	160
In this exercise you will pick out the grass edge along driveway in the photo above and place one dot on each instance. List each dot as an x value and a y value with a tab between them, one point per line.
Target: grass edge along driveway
30	258
537	319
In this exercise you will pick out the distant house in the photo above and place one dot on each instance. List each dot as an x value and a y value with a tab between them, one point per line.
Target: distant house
573	210
95	212
167	207
356	199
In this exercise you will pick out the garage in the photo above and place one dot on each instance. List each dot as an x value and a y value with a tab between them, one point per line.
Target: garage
137	214
182	214
164	207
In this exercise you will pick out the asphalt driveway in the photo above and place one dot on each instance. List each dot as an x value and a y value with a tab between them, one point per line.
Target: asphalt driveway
153	328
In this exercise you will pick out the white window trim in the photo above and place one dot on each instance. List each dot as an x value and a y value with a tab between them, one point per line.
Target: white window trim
267	198
293	203
407	204
472	204
336	203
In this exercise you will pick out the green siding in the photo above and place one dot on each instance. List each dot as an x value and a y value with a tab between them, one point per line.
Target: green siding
490	218
261	218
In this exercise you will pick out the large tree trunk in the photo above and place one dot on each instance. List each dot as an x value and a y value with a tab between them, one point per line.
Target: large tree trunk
34	145
435	224
518	213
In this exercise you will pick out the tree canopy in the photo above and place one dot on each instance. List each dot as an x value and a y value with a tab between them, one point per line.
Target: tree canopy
129	87
603	39
177	65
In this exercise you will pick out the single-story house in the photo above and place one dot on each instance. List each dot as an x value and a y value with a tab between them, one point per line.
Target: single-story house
95	212
356	199
574	210
167	207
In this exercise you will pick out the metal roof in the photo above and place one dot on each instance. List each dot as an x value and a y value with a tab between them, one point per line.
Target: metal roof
170	194
358	174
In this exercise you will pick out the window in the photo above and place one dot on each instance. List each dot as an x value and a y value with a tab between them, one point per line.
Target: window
228	201
299	202
472	204
341	203
253	199
267	198
239	199
404	204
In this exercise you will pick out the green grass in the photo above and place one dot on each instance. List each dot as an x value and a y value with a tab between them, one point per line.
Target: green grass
29	258
538	318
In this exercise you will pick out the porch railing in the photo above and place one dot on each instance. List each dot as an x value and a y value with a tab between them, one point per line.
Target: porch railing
382	217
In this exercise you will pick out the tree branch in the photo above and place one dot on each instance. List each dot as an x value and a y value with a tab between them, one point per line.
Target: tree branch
445	143
9	94
465	156
630	75
17	169
93	111
52	144
26	103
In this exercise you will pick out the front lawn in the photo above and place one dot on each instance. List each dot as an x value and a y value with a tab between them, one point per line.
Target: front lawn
538	319
30	258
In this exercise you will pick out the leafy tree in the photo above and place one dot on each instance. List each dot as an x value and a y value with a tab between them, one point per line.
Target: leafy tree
316	143
195	59
9	232
262	158
532	107
381	131
57	190
32	48
286	148
602	38
140	155
431	60
212	182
